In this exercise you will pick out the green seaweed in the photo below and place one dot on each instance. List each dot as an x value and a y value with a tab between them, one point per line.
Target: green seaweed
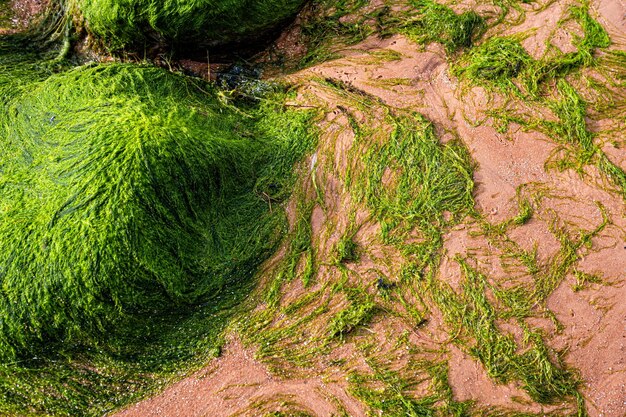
108	221
435	22
502	62
359	312
494	63
143	23
542	375
388	392
427	178
205	179
134	216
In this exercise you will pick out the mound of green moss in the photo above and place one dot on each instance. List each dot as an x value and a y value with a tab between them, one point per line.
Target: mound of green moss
135	23
126	191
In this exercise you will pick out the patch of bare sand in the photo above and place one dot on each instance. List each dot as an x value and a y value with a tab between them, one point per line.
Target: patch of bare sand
236	383
612	15
595	336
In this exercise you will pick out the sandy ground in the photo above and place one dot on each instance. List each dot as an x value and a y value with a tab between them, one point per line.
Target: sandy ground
237	382
594	319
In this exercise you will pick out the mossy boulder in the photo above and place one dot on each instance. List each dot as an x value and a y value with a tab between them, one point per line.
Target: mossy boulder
124	190
136	23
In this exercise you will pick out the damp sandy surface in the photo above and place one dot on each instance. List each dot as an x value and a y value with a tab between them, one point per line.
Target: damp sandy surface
235	382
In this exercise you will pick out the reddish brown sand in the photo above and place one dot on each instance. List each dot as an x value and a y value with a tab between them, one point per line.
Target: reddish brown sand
594	319
236	381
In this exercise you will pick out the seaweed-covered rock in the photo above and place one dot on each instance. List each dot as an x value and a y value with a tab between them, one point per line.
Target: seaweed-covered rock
123	23
124	190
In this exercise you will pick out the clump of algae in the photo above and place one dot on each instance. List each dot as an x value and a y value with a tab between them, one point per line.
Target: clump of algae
134	23
135	207
125	190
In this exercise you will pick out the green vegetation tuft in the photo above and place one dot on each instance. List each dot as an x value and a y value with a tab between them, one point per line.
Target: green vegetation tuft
571	129
388	392
347	250
435	22
525	213
359	312
571	126
411	179
495	62
475	318
583	279
500	61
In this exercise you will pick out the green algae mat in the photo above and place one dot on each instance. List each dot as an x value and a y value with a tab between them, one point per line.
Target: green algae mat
135	208
137	205
207	22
